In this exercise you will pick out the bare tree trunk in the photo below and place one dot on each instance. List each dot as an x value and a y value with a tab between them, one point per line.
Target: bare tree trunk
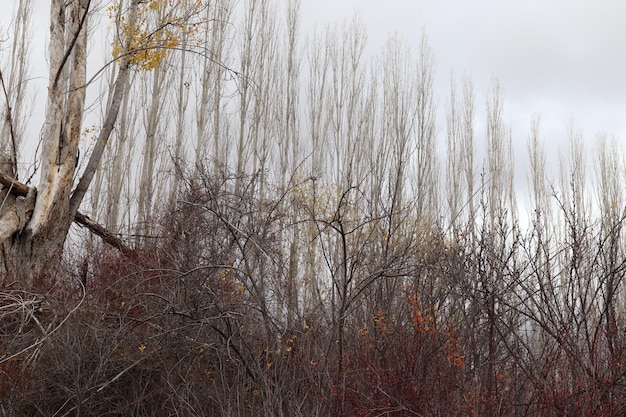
500	161
454	158
400	110
43	237
209	113
259	116
467	148
13	88
120	167
347	99
182	98
155	101
288	149
426	175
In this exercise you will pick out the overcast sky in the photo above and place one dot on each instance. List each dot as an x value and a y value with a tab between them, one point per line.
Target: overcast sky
564	59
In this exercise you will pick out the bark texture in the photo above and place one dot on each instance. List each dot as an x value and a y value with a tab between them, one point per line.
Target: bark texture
29	252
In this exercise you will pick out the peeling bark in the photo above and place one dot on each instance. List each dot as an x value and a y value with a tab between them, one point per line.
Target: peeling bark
14	220
9	224
31	251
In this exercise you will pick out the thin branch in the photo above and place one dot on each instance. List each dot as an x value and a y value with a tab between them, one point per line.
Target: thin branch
39	342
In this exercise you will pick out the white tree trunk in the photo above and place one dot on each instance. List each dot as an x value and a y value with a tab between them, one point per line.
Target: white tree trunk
44	234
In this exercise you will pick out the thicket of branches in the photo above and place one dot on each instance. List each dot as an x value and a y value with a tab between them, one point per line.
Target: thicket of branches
301	250
300	303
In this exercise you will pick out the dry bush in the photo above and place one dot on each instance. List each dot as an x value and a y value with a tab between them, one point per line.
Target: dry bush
195	323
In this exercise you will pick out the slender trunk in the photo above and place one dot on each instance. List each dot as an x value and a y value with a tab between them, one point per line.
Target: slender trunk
181	109
147	179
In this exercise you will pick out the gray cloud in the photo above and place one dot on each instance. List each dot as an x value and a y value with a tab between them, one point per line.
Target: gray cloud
565	59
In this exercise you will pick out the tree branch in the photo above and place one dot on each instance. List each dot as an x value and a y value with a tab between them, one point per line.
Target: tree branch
105	235
119	90
21	190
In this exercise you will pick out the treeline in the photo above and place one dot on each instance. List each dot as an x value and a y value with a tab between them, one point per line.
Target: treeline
301	248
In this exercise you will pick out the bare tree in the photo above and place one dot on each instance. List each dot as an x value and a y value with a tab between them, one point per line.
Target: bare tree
454	156
40	223
467	147
499	159
41	237
210	115
426	167
14	87
154	95
120	168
